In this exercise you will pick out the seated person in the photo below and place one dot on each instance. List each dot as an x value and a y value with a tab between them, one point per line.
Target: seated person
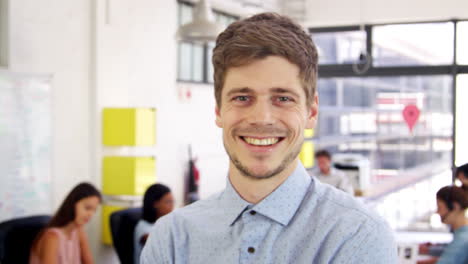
452	202
63	240
327	174
461	173
157	201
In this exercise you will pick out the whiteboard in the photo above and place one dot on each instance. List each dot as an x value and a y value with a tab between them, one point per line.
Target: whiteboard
25	145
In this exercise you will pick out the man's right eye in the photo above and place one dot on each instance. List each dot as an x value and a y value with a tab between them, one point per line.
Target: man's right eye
241	98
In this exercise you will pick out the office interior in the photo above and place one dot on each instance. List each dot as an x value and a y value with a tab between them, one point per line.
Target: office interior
100	54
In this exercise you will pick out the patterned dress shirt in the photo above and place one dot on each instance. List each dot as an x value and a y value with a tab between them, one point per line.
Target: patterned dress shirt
302	221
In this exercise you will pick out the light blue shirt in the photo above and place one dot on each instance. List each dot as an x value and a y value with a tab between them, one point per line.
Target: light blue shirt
142	228
457	250
302	221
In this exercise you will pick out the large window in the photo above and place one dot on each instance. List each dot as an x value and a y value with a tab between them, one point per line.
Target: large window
413	44
365	116
340	47
461	148
194	60
462	43
386	98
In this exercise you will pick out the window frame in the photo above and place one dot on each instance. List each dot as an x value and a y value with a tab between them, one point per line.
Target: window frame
346	70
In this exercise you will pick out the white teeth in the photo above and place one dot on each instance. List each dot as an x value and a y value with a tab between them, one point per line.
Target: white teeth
261	142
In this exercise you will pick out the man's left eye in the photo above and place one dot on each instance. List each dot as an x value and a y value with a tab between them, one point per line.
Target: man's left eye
284	99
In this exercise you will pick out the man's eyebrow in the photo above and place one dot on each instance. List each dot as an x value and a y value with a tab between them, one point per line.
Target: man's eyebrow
284	90
248	90
239	90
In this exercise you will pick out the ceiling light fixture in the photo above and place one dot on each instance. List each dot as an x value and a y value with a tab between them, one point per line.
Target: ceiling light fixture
203	27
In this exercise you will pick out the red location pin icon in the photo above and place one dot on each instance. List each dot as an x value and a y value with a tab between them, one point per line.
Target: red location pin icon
411	115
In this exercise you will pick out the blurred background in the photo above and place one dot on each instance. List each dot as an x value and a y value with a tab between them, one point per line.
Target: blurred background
64	62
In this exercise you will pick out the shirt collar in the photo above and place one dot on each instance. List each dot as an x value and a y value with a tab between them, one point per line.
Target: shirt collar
232	204
280	205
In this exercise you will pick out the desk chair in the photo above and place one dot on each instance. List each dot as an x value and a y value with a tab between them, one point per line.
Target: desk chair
17	236
122	224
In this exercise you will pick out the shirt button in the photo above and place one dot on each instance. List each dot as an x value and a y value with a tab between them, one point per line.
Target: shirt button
253	212
251	250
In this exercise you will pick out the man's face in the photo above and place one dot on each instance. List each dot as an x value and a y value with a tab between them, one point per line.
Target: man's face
263	115
324	164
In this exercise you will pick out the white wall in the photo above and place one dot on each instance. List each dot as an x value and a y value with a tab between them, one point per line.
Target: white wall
345	12
52	36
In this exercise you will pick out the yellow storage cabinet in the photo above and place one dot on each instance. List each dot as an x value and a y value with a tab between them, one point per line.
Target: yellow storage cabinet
308	133
128	175
307	154
129	126
107	210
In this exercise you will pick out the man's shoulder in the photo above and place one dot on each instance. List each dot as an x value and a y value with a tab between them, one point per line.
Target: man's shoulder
199	207
347	220
342	204
198	211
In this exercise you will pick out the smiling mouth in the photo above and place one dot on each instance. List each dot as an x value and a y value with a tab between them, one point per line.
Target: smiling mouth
262	141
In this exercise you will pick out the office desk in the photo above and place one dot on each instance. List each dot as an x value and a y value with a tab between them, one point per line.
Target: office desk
408	243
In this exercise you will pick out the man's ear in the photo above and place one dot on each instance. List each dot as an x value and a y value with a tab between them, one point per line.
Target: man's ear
312	113
218	118
456	206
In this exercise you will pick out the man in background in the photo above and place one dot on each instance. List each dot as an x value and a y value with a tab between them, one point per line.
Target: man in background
329	175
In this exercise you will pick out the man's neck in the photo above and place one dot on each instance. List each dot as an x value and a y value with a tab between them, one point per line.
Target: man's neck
255	190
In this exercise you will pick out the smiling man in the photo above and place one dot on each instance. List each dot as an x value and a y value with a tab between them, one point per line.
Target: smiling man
271	211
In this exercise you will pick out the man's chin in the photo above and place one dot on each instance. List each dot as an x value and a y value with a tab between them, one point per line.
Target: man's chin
259	175
258	172
254	168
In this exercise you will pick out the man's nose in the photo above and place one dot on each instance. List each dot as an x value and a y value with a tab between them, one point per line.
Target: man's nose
261	113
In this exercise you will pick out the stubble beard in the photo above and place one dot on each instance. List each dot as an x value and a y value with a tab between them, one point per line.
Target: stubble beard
245	171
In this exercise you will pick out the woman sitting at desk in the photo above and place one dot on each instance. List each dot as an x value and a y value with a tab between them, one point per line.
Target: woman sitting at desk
452	202
157	202
461	174
63	240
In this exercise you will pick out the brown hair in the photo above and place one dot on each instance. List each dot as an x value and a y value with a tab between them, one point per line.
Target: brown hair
66	211
262	35
463	170
453	194
323	153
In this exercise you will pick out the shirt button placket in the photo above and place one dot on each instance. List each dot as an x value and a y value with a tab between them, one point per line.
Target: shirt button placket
250	237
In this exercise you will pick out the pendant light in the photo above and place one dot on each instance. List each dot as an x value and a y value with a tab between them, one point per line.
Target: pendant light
203	27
